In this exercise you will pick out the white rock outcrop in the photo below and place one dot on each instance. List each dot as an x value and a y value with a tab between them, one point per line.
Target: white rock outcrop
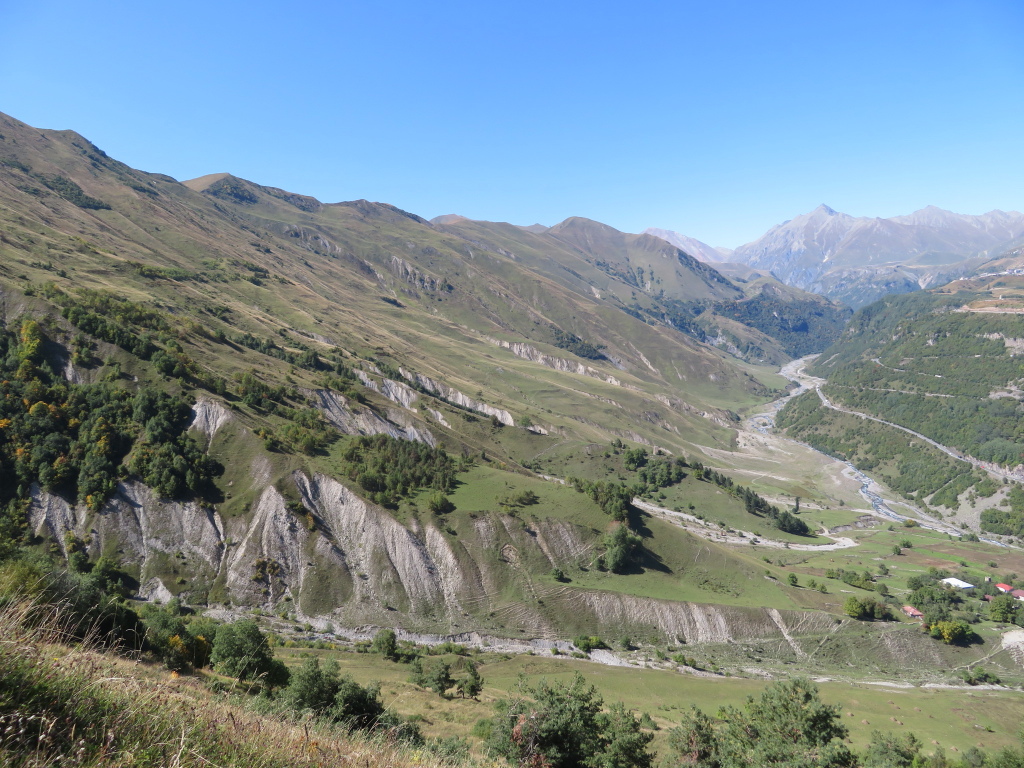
439	417
458	398
336	411
391	563
342	559
137	524
208	416
51	515
531	353
400	393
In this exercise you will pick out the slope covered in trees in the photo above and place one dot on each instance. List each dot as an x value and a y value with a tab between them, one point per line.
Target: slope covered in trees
924	362
78	440
945	363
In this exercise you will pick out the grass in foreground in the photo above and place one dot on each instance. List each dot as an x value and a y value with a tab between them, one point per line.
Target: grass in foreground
78	707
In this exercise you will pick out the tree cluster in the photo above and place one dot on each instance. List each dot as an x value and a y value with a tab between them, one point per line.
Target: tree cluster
754	504
71	192
573	343
79	440
242	651
615	499
438	678
325	693
863	580
1006	522
181	644
866	609
787	725
911	468
389	469
622	545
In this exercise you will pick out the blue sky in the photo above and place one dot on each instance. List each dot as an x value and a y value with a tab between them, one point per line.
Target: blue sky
717	120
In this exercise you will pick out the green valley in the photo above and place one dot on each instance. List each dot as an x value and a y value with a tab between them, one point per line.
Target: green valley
327	462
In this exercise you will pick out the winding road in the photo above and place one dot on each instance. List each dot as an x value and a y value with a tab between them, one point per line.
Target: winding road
794	371
992	469
765	422
708	531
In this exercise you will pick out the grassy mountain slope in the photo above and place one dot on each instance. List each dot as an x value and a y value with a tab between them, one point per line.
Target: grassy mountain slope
283	322
291	332
757	319
342	417
259	263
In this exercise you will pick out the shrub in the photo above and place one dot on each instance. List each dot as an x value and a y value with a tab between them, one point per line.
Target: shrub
328	695
178	645
979	676
788	725
891	751
952	632
589	643
440	504
312	688
563	726
241	650
386	644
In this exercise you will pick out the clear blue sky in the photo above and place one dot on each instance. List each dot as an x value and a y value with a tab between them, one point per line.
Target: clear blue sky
715	119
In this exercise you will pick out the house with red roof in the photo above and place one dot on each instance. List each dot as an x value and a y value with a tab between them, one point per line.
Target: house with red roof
1004	587
912	612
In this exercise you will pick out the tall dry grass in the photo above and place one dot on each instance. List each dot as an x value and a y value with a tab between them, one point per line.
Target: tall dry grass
67	704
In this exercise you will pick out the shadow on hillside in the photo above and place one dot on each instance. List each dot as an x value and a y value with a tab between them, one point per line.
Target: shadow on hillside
644	560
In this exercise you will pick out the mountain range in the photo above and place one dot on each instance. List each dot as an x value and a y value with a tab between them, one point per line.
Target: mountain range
239	401
293	329
859	259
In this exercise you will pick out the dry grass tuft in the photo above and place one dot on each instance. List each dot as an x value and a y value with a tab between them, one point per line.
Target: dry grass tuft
73	705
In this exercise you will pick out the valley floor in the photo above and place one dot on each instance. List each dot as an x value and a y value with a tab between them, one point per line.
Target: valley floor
783	469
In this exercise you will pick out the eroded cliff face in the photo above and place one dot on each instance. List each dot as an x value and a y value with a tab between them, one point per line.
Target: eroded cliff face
392	564
363	421
208	417
164	539
330	556
458	398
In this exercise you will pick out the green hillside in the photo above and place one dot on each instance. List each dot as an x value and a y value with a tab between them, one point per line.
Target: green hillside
944	363
240	425
289	333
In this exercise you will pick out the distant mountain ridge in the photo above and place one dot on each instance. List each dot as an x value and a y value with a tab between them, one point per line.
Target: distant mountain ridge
860	259
694	247
797	250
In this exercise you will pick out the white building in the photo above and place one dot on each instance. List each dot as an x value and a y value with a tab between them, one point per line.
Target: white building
957	584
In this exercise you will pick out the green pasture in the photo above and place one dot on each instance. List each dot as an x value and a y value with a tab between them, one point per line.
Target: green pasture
954	719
